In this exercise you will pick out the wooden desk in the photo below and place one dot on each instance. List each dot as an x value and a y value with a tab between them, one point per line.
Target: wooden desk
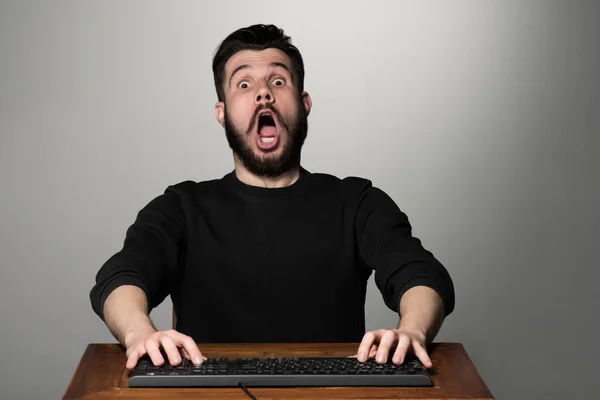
101	375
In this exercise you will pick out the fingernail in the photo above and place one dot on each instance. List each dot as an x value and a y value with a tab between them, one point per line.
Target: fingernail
380	358
197	360
361	355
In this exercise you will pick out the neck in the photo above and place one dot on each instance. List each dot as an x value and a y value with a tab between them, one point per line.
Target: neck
288	178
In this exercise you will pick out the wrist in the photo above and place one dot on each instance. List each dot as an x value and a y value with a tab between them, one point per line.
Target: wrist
142	326
416	323
424	326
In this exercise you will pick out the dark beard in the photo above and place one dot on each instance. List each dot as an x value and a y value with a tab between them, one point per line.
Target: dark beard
269	167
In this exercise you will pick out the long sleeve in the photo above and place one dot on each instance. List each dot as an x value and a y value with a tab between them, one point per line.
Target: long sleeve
152	256
400	262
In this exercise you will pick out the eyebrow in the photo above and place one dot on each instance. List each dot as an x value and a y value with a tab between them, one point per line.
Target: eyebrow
246	66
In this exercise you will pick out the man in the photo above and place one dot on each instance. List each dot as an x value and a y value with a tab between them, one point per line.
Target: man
270	252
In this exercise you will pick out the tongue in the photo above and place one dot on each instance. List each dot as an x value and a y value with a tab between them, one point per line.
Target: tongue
267	131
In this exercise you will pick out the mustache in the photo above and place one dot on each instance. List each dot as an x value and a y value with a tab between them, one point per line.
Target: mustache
261	108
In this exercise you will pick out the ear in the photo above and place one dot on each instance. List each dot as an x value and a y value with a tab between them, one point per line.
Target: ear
307	102
220	113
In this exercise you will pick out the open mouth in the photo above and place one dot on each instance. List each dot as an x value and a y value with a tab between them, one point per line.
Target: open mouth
267	130
266	127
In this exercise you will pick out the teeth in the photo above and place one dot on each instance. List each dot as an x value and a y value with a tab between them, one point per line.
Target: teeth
267	139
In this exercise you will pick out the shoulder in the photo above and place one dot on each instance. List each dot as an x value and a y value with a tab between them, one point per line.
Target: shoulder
188	194
189	187
348	186
356	192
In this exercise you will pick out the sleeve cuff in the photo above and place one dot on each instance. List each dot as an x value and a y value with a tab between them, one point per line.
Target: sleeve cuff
423	281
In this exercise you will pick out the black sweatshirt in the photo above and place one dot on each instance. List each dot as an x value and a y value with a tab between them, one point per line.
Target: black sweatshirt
249	264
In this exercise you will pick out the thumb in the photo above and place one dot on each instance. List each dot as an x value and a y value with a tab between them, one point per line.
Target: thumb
132	360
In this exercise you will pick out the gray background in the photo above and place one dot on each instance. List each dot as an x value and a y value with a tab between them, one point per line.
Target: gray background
479	118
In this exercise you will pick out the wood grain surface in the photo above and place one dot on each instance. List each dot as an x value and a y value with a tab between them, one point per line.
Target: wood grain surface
101	374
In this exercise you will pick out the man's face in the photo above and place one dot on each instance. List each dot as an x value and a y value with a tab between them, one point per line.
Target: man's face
264	116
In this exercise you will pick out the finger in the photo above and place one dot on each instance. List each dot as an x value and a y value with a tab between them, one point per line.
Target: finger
387	341
171	350
401	349
184	353
421	353
365	345
154	352
191	348
373	351
202	358
132	360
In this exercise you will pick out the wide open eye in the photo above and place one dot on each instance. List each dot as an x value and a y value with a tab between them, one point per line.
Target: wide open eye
244	85
278	82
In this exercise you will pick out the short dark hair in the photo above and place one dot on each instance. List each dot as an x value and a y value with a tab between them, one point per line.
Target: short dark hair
256	37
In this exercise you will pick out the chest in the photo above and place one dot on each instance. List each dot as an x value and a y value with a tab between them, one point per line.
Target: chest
265	244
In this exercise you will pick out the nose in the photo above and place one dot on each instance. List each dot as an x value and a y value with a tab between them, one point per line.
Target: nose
264	95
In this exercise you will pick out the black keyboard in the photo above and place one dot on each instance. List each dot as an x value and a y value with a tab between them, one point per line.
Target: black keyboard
264	372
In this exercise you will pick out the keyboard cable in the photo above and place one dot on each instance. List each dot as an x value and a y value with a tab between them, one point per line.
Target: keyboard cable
243	386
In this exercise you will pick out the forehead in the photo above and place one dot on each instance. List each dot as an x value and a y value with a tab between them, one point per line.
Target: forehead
256	59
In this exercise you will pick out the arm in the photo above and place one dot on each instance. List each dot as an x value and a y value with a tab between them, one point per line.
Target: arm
412	281
139	277
386	245
422	309
126	312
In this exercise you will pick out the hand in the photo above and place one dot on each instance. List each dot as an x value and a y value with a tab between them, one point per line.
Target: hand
379	343
175	345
